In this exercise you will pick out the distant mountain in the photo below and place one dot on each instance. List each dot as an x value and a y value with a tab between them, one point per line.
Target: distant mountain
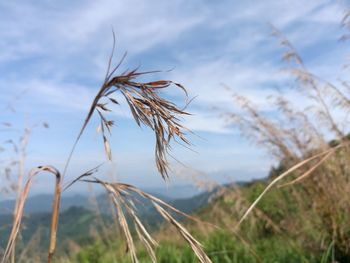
74	225
76	220
175	192
42	203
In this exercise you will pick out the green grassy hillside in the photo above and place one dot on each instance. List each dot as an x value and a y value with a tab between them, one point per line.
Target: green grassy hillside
281	229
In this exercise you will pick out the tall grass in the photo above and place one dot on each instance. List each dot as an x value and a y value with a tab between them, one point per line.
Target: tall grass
301	212
311	144
14	160
304	205
149	109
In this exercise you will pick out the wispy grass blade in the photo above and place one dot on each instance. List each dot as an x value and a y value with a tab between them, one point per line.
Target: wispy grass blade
279	178
122	198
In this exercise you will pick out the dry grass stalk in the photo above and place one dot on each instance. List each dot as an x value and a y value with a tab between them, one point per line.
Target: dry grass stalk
19	215
14	167
148	108
288	142
325	155
146	105
313	168
123	196
299	140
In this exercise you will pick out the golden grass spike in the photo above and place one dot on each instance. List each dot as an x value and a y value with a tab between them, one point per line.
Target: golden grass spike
147	107
141	231
122	221
107	148
122	198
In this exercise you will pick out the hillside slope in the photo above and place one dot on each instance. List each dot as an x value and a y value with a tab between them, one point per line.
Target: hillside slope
276	231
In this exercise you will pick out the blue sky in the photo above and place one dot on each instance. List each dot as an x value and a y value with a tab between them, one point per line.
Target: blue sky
57	52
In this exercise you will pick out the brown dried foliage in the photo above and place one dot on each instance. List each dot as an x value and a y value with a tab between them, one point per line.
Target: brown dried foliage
148	108
124	198
19	214
298	139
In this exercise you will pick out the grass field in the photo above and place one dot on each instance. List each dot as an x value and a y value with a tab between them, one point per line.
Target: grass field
300	212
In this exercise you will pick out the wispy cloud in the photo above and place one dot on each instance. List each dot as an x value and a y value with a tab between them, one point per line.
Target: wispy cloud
59	50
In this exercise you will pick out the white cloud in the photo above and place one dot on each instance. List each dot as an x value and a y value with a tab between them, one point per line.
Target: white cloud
84	30
59	49
87	26
207	122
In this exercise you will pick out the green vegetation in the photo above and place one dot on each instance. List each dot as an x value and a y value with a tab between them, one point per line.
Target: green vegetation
300	213
266	237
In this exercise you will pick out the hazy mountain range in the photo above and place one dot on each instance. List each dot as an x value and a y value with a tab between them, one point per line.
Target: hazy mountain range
42	203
